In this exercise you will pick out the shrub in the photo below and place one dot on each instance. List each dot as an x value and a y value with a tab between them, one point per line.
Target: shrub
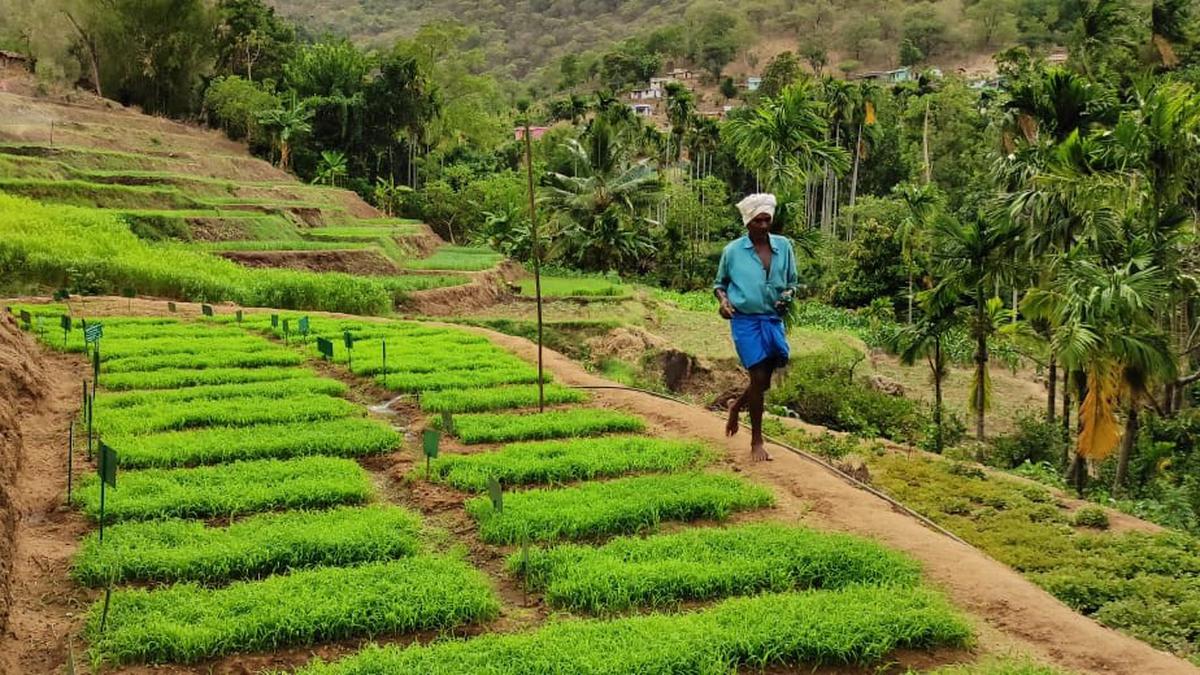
820	388
1034	441
1091	516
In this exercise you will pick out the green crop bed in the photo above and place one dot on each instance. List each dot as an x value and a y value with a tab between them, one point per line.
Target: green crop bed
497	398
178	378
227	490
577	287
562	461
122	347
458	379
621	506
216	392
229	412
447	358
277	356
186	623
460	258
860	625
502	427
346	437
188	550
707	563
48	243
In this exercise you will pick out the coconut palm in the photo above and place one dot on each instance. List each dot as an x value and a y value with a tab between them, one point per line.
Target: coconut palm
598	212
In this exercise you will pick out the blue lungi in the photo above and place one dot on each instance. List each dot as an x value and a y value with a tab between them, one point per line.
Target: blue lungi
758	338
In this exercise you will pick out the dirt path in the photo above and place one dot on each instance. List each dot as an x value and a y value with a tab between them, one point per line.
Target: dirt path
1010	612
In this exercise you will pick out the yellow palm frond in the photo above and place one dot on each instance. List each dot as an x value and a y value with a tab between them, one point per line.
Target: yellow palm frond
1100	431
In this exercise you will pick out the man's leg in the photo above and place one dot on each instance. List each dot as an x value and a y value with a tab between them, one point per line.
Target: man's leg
735	407
760	381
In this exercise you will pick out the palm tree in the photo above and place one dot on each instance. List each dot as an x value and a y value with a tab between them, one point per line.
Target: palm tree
331	167
598	212
783	140
1106	328
680	108
926	339
286	125
924	202
972	255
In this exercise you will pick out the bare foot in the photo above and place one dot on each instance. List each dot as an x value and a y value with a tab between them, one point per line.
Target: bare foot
758	453
731	424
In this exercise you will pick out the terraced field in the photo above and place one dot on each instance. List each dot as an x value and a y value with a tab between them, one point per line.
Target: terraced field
193	197
250	517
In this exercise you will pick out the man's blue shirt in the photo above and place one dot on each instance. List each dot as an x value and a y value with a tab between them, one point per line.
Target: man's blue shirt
751	289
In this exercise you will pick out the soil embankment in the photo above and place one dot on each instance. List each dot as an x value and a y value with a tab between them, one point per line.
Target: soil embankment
364	262
39	396
23	388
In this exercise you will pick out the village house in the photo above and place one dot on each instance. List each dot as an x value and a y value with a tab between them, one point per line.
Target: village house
753	83
642	109
904	74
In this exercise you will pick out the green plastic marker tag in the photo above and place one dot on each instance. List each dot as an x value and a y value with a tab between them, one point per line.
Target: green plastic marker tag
128	292
274	321
448	423
239	316
430	440
93	333
348	339
496	494
65	322
206	310
107	467
171	307
26	319
325	347
303	325
286	329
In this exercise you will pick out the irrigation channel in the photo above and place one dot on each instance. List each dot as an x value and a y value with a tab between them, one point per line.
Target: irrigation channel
268	510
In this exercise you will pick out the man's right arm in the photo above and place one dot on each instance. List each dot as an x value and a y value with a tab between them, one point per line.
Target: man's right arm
720	286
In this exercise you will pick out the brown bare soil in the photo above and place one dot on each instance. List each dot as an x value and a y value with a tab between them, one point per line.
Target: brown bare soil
484	290
45	609
364	262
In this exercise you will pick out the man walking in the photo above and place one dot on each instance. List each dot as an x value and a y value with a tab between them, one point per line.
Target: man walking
755	281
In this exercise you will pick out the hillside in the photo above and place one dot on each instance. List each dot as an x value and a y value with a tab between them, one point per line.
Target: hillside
192	192
520	36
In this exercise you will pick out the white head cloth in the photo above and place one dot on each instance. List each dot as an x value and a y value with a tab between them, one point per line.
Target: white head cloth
753	205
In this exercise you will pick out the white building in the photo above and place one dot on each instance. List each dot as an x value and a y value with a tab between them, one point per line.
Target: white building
642	109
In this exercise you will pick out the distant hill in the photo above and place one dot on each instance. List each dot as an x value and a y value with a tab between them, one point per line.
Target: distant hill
520	36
